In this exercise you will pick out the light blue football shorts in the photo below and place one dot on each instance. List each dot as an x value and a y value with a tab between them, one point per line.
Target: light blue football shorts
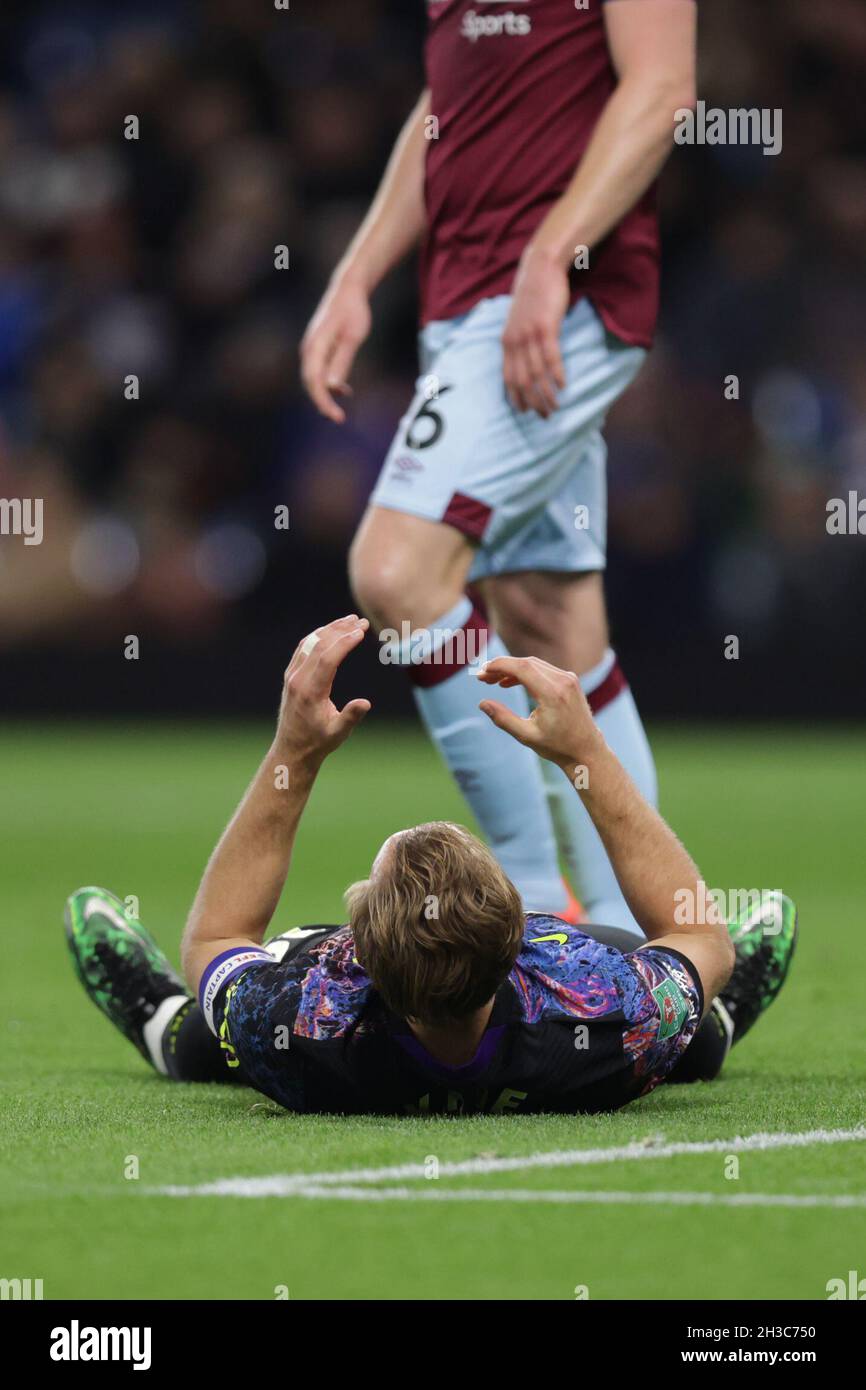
531	493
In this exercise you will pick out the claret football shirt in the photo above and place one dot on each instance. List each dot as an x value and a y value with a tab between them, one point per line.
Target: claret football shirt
517	87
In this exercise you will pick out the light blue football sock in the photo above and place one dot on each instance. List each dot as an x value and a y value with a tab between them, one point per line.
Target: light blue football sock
501	780
589	868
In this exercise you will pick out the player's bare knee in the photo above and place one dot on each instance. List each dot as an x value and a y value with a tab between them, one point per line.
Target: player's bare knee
379	586
405	568
390	591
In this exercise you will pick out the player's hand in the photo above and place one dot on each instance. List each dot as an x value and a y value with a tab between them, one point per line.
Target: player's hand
533	367
561	727
334	334
310	726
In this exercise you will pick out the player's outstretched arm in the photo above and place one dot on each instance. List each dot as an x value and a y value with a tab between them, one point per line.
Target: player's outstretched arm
242	883
651	865
652	46
653	50
391	228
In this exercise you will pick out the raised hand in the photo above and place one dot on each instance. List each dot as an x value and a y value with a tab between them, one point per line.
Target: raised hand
561	727
310	726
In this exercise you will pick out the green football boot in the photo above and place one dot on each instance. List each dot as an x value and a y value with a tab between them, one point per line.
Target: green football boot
764	941
119	964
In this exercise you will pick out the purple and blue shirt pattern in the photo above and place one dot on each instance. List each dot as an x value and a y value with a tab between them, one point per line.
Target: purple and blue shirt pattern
577	1027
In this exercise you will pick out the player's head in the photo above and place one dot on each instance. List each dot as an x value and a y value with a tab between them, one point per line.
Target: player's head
437	925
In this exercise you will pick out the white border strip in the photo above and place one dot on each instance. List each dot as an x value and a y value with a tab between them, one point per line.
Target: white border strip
288	1184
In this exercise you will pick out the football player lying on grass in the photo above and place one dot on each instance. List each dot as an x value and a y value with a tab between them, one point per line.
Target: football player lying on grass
440	994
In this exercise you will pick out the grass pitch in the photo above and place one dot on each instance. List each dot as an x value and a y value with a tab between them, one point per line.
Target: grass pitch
138	810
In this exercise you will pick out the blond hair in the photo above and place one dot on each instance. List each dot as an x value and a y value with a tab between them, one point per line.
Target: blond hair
439	926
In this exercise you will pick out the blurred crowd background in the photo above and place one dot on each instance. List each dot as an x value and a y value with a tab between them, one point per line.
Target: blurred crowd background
154	257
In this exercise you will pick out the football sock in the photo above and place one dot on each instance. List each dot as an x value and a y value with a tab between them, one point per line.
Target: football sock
501	780
590	870
182	1046
158	1025
705	1055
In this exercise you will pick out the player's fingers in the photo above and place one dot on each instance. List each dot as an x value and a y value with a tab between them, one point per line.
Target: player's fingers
326	404
505	719
340	365
338	626
351	715
514	373
315	367
330	652
302	651
492	672
515	670
522	378
543	398
552	354
507	378
308	644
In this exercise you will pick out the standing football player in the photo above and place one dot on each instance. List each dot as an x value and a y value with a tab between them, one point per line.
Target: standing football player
527	171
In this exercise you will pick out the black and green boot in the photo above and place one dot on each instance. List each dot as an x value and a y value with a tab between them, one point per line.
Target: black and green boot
764	940
119	964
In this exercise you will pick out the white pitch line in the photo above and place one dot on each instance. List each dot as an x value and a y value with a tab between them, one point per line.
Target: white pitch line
524	1194
287	1184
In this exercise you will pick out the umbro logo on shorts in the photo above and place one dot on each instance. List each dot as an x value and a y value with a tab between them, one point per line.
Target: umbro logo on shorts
405	466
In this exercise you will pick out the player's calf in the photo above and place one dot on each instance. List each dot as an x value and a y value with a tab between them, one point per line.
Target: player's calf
561	618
